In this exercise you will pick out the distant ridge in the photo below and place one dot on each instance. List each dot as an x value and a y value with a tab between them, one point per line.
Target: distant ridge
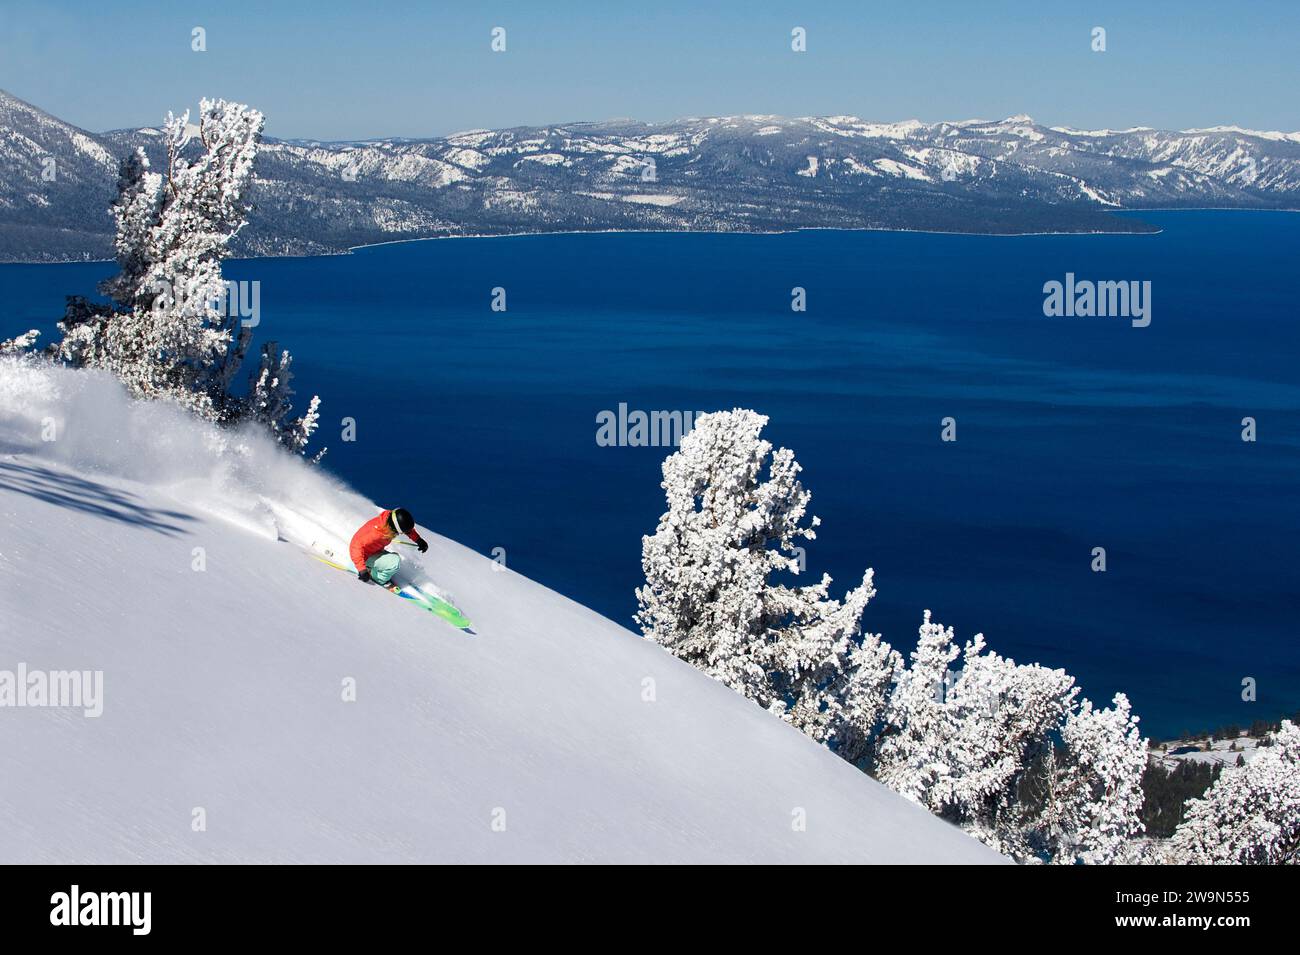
754	173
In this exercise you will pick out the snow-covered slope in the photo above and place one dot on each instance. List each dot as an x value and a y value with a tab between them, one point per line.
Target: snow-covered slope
223	686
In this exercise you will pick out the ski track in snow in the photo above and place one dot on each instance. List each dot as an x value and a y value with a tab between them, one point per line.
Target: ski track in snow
223	686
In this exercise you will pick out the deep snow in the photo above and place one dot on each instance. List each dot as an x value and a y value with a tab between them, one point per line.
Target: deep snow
223	686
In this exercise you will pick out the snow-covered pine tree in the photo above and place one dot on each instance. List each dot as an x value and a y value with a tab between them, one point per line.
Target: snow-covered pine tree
168	332
726	531
136	211
19	344
709	596
203	209
1083	801
116	337
829	678
168	329
1003	712
911	751
270	400
974	746
961	742
1250	815
1101	788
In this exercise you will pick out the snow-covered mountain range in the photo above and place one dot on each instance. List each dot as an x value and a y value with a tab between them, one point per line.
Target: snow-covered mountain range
740	173
255	705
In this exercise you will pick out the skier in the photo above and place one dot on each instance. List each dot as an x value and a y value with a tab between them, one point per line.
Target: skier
367	549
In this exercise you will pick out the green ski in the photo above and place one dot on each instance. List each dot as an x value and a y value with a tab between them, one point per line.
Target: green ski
435	605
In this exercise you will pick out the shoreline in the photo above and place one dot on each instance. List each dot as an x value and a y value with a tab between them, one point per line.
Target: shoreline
757	232
745	232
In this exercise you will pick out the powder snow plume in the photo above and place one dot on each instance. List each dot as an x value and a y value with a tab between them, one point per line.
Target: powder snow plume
85	420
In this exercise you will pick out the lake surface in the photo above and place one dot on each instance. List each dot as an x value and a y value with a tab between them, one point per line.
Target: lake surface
1072	433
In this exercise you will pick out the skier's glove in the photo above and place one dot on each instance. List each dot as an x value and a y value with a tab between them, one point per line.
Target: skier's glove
422	544
364	576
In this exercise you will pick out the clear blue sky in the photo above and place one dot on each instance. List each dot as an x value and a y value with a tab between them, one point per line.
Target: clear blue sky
337	70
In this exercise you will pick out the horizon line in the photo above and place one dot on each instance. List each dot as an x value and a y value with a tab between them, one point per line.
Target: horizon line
1023	118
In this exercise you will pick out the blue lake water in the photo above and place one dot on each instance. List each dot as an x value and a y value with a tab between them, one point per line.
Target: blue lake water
1073	433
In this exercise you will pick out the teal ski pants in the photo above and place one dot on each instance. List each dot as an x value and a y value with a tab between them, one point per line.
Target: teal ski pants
382	566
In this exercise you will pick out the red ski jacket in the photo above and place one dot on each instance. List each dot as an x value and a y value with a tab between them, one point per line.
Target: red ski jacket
372	537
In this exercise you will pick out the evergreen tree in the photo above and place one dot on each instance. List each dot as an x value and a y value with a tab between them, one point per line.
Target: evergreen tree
1250	815
269	400
736	512
911	753
964	743
1096	794
19	343
977	745
168	332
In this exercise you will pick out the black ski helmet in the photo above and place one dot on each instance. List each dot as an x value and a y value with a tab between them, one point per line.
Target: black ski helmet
402	520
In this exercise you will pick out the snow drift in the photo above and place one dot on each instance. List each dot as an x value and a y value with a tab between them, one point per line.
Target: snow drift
144	545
